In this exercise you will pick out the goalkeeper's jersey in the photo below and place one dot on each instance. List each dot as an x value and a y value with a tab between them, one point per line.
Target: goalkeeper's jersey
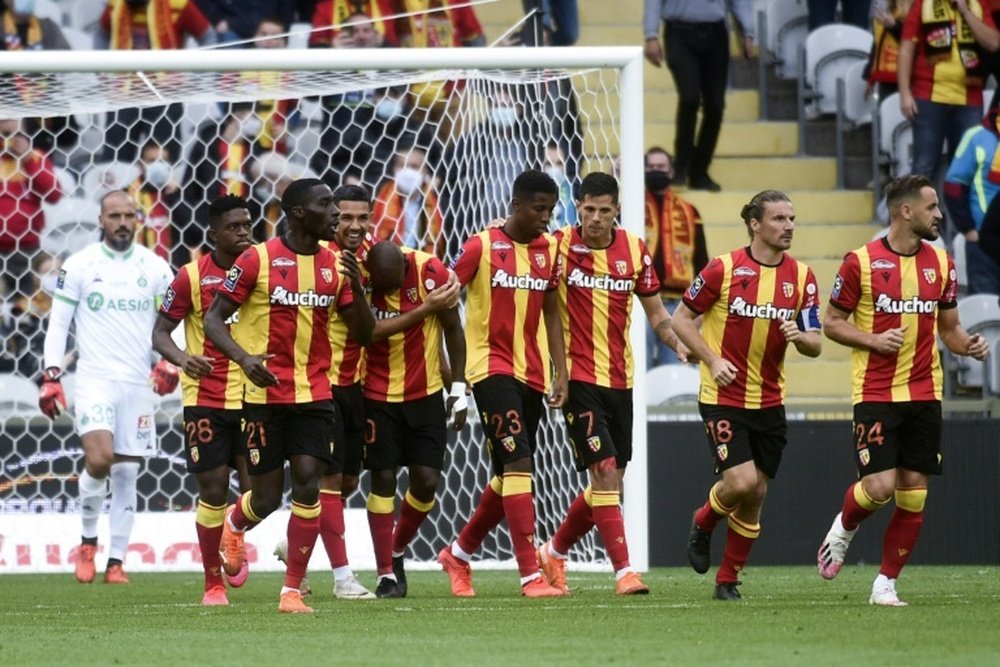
116	296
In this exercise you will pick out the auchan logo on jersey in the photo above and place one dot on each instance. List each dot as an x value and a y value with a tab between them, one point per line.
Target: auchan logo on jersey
310	299
577	278
760	311
912	306
527	281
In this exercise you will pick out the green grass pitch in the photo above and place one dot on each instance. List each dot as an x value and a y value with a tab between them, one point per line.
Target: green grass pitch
789	617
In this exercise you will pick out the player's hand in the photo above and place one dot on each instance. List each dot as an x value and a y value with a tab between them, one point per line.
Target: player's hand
908	105
653	51
790	330
164	377
683	353
256	370
723	371
349	269
560	393
197	366
445	296
457	405
51	397
496	223
978	348
747	44
889	341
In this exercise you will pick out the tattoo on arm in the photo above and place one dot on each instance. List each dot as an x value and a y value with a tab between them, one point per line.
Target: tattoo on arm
665	333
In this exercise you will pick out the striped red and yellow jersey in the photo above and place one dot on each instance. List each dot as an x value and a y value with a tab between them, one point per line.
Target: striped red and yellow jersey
187	299
885	290
407	365
507	282
596	299
287	300
744	303
348	354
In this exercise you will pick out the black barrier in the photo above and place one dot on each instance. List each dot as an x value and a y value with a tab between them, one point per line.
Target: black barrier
961	525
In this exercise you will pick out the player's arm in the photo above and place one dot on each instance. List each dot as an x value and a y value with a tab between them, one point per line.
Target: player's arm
557	349
808	343
196	366
437	301
683	323
454	341
840	330
360	320
51	397
957	339
253	365
660	320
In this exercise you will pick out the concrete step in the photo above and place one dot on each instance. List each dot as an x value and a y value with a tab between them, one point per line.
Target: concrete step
741	106
745	173
626	34
820	378
812	241
597	15
735	140
841	206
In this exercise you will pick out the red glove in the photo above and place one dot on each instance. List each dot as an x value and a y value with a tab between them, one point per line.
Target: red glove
52	398
164	377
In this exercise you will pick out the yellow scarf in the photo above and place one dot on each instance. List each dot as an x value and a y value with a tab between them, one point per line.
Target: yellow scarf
939	22
158	19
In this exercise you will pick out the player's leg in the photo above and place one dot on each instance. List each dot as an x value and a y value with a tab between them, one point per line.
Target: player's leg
876	450
384	434
98	456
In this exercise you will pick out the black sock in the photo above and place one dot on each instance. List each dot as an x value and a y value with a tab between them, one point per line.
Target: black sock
114	561
92	541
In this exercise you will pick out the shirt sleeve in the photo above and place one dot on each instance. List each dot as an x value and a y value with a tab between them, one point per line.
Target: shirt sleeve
847	284
557	266
911	24
68	283
177	300
242	276
467	262
345	298
647	284
434	274
705	289
949	297
808	318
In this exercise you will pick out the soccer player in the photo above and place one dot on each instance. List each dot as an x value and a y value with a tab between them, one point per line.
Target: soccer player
901	292
512	273
754	302
406	418
603	267
212	384
288	288
110	291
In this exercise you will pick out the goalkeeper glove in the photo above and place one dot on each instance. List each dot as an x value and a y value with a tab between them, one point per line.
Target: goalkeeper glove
164	377
52	398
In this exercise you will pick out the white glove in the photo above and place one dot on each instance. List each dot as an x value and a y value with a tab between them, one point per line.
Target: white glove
460	404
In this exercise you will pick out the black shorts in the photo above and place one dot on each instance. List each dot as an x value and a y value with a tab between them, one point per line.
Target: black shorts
510	411
213	438
905	435
738	435
599	423
349	430
411	433
274	433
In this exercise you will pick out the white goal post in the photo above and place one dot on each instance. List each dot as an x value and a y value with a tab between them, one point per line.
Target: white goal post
100	83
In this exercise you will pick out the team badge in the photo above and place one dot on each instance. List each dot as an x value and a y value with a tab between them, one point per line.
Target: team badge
696	286
722	452
411	294
594	442
509	444
570	418
429	283
142	282
838	284
930	275
168	299
865	456
540	260
254	457
232	277
327	275
195	455
788	289
621	265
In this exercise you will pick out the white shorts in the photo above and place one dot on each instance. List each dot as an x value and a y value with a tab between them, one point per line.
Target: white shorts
124	409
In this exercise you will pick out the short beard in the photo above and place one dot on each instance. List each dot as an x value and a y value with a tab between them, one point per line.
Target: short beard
121	245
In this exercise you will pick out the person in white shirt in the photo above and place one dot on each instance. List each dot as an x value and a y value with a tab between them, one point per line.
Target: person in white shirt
111	291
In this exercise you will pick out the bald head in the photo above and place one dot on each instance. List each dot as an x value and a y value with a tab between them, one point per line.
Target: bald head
386	265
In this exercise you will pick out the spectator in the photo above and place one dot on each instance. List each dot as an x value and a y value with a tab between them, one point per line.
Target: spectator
27	179
887	27
406	206
555	166
676	242
558	19
234	20
824	12
435	23
158	195
272	114
941	77
128	25
339	14
272	173
697	48
970	188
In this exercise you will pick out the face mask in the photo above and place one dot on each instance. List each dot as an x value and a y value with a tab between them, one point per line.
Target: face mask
657	181
264	193
250	127
158	173
504	116
23	7
48	283
555	173
388	108
408	180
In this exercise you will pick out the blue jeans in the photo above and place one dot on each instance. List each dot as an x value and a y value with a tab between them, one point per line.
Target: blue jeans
982	270
936	122
566	17
657	352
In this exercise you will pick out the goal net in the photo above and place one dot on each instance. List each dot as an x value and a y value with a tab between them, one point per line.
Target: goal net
178	129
